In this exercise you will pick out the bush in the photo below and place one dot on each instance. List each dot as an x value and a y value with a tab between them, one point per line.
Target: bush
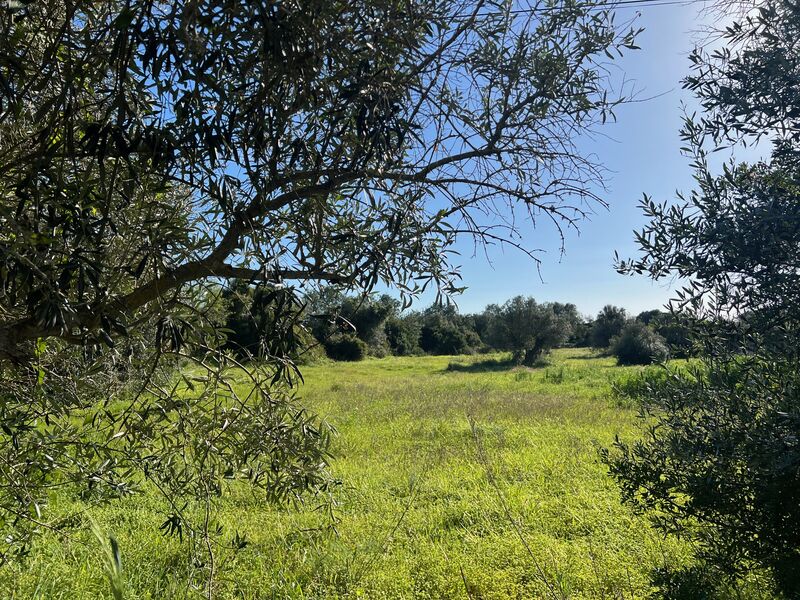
402	334
637	344
724	437
346	347
673	327
441	336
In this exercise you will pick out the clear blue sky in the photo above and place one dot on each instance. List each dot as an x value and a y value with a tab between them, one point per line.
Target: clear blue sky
642	153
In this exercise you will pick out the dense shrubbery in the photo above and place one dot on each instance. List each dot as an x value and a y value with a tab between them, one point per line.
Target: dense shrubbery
346	347
673	327
403	334
638	344
444	331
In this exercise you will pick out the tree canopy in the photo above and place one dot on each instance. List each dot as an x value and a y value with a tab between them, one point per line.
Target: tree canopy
153	151
528	328
721	461
609	323
152	145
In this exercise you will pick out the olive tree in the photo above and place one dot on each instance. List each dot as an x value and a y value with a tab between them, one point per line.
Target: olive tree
721	460
151	150
529	329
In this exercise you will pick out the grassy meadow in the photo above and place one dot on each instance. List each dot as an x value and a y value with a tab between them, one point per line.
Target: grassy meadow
460	479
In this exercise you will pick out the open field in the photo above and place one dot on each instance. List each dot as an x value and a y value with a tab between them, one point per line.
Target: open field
517	506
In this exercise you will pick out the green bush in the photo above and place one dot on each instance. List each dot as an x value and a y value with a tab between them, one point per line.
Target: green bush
346	347
637	344
312	353
441	336
402	335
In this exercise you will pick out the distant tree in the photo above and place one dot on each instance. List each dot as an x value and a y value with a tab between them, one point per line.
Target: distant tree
609	323
638	344
403	334
444	331
673	326
579	330
527	328
329	313
480	324
676	329
649	316
720	462
581	336
368	316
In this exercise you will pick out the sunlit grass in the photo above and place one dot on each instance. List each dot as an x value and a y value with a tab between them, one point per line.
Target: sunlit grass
417	515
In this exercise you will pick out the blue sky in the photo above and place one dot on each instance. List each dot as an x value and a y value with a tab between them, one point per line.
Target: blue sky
642	152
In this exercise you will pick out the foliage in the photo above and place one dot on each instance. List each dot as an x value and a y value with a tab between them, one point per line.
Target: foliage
609	323
445	331
741	411
152	151
257	317
581	336
721	461
403	334
690	583
676	329
639	386
440	335
346	347
193	154
638	344
331	313
529	329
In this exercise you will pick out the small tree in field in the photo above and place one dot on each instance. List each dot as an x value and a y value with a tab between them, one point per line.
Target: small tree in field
528	329
151	151
638	344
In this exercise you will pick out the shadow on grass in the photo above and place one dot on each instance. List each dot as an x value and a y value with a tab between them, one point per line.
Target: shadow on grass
595	353
493	365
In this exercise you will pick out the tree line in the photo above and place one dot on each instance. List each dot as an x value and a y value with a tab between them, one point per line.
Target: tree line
347	327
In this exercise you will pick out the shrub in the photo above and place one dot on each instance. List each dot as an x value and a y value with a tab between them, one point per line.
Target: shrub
402	335
441	336
724	437
637	344
346	347
673	327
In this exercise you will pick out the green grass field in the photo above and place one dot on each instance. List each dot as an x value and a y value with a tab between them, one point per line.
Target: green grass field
430	506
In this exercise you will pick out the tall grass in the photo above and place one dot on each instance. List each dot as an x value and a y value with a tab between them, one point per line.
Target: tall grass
456	483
